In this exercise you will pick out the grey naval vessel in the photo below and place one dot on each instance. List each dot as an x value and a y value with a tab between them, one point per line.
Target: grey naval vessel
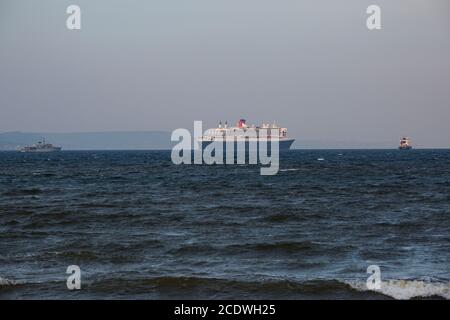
40	146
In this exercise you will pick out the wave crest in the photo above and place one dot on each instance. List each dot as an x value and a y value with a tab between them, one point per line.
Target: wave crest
7	282
407	289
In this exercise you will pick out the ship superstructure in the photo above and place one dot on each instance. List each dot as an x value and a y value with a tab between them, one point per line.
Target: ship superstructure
244	133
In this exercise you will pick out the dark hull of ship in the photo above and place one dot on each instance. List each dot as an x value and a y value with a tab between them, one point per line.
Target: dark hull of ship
56	149
283	145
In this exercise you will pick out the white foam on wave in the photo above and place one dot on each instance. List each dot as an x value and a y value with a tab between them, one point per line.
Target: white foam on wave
293	169
407	289
7	282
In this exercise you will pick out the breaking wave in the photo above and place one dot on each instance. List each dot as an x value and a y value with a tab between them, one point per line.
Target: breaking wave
217	288
407	289
7	282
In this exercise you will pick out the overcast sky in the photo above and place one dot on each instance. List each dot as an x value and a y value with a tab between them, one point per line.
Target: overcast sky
159	65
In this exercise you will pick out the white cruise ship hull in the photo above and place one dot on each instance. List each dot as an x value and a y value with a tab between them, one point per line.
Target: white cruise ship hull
283	144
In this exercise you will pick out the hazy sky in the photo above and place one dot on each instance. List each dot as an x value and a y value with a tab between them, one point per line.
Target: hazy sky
158	65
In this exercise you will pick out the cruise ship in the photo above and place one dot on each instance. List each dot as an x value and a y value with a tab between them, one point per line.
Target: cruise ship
248	134
40	146
405	144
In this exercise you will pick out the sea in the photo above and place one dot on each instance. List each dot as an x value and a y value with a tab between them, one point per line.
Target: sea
140	227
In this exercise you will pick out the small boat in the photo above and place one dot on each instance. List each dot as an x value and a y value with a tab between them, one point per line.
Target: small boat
40	146
405	144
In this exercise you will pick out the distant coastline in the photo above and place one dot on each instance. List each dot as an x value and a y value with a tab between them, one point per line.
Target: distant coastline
108	140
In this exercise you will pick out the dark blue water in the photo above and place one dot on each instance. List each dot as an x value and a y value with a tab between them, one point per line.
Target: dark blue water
141	227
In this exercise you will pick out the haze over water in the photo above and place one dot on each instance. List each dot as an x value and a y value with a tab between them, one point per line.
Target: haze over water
311	66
